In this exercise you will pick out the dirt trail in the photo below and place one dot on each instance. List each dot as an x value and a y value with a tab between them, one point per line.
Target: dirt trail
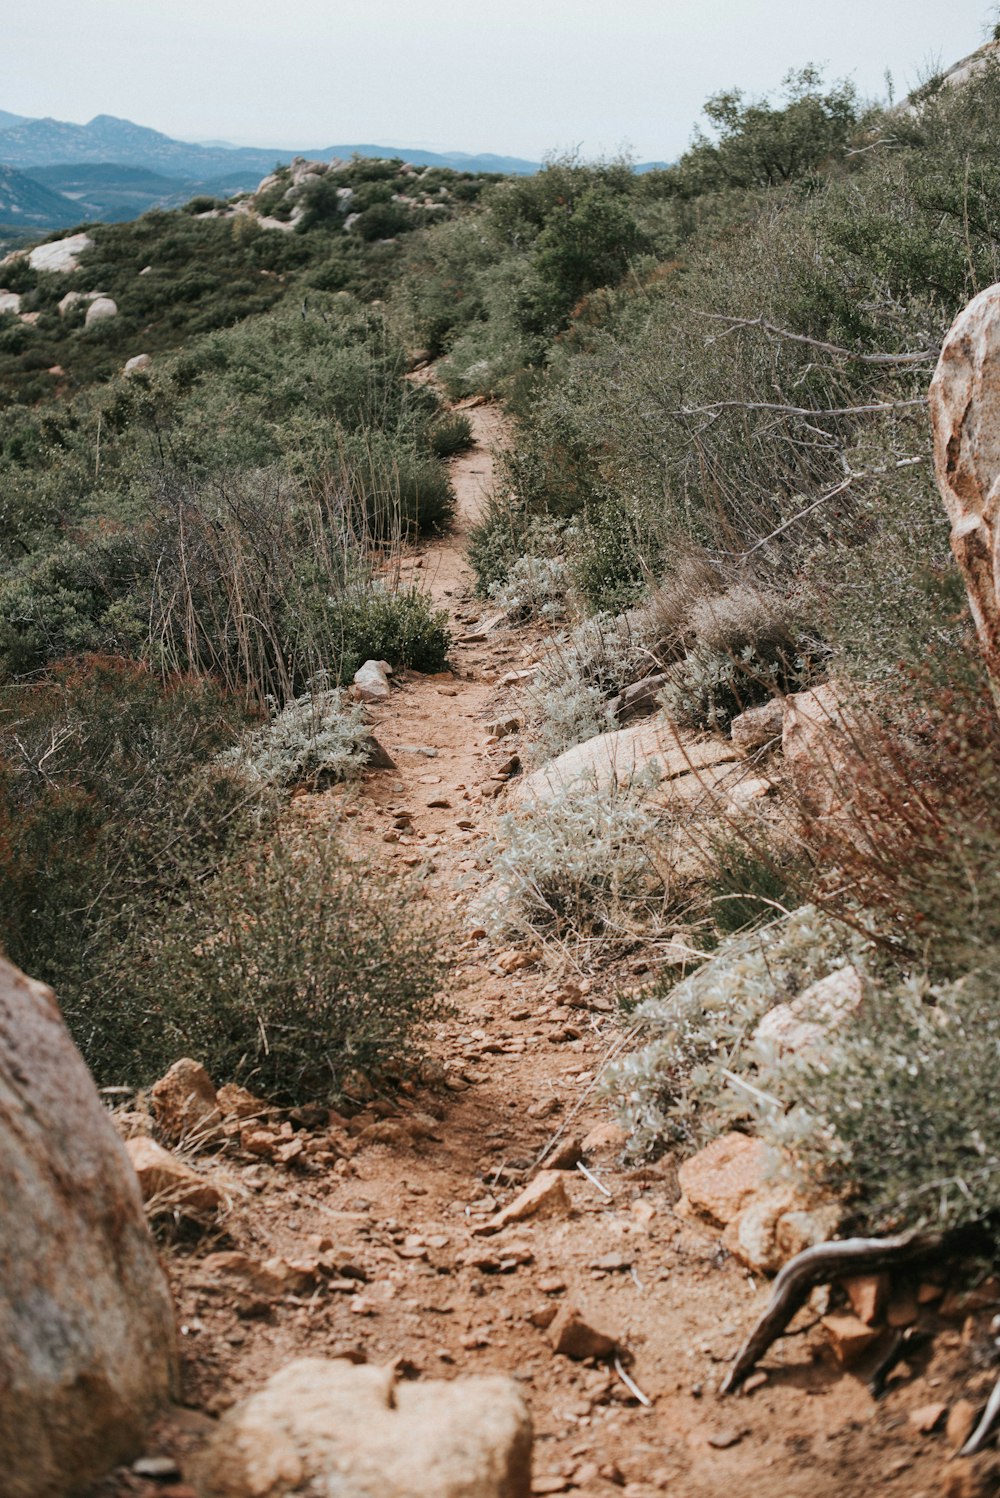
518	1061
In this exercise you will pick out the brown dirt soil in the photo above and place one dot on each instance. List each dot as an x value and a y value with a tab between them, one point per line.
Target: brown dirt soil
401	1199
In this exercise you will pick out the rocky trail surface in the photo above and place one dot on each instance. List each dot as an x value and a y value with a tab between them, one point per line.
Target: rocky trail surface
418	1229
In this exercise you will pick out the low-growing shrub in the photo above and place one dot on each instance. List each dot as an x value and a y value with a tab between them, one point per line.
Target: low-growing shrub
580	868
314	739
293	967
534	588
673	1088
899	1115
451	433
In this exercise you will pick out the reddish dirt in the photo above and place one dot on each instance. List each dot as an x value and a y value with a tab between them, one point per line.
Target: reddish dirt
517	1065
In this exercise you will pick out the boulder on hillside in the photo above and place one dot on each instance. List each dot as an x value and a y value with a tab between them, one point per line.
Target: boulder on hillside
965	415
100	309
615	759
86	1324
61	255
820	741
138	364
10	302
332	1427
759	725
371	681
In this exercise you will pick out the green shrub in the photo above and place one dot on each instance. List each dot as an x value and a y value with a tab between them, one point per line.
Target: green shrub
293	967
451	434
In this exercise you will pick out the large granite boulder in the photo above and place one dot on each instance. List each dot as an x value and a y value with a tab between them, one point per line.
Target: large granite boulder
86	1323
965	414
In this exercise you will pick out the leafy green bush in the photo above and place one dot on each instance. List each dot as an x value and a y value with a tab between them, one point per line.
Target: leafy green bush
451	434
293	967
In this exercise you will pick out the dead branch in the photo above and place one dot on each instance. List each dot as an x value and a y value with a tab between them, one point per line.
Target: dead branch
918	356
819	1266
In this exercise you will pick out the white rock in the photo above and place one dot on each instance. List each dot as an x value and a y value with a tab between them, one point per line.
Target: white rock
9	302
73	299
61	255
613	759
371	681
329	1427
137	364
100	308
804	1023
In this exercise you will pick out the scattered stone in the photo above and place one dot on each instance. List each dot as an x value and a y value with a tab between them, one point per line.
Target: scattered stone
612	759
849	1337
868	1294
331	1426
87	1350
759	725
545	1196
377	757
185	1105
927	1417
157	1468
138	364
543	1316
573	1334
10	303
564	1154
638	700
806	1022
100	309
804	1228
961	1422
723	1439
168	1186
604	1136
371	681
269	1278
719	1180
818	741
236	1102
501	727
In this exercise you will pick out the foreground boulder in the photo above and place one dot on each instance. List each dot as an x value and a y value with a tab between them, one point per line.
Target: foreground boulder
330	1427
86	1324
965	414
616	759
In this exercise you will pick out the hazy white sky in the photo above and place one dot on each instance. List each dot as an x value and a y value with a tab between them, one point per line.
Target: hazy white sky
519	77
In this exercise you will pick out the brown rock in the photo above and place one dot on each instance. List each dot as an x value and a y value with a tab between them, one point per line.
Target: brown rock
604	1136
868	1294
720	1179
801	1229
564	1154
961	1422
617	758
927	1417
86	1324
574	1336
269	1278
849	1337
236	1102
759	725
184	1105
169	1186
818	744
544	1196
327	1426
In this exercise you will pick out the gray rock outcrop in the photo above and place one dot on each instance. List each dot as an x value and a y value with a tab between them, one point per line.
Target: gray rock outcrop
101	308
86	1324
328	1427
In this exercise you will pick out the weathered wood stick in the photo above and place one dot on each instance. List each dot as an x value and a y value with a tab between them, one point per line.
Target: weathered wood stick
818	1266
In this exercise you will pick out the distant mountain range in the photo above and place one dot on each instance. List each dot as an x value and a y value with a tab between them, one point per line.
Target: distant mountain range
54	174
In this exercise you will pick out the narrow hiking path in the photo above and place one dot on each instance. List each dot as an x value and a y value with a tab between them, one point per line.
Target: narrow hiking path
364	1242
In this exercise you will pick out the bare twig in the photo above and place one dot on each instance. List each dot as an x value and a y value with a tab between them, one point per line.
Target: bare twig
818	1266
592	1178
631	1384
919	356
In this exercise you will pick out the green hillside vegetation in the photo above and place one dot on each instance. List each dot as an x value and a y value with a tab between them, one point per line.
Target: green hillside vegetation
720	461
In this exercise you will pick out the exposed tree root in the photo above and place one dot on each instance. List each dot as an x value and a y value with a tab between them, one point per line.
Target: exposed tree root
988	1422
818	1266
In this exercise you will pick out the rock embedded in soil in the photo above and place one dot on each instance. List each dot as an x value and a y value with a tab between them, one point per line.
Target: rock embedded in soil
720	1179
168	1184
545	1196
87	1350
371	681
849	1337
322	1426
574	1334
759	725
185	1105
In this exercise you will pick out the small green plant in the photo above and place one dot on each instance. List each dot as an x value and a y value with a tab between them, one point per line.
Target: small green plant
293	967
450	434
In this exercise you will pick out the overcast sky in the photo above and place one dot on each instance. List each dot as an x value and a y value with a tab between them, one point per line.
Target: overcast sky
520	77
